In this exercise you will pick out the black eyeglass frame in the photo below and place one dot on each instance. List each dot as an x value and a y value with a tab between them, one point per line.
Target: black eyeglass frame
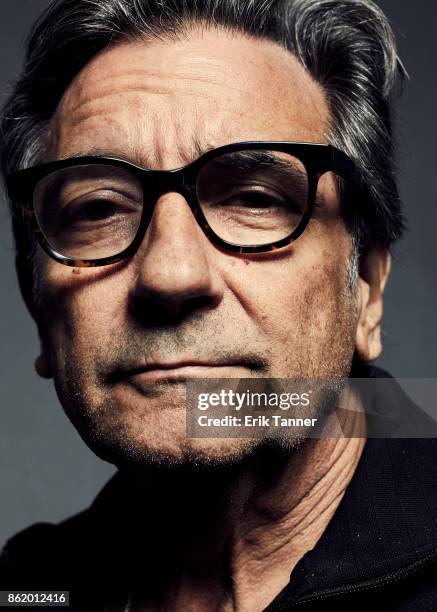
317	159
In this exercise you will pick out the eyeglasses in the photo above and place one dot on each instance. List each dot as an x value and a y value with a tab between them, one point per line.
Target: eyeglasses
247	197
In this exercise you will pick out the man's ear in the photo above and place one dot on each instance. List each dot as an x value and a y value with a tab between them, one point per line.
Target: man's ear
374	271
42	364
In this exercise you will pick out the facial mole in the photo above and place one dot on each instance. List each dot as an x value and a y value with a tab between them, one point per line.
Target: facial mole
76	271
247	262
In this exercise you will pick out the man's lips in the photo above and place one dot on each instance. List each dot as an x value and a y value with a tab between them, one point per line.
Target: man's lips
183	370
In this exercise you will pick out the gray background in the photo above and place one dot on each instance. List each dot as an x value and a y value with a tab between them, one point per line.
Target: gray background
46	472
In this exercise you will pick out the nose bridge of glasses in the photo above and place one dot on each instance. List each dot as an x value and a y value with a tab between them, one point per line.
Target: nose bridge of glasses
156	183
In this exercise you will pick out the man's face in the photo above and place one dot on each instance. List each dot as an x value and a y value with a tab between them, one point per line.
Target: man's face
121	339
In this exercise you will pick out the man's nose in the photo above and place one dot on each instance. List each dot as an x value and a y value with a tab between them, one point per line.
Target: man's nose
174	270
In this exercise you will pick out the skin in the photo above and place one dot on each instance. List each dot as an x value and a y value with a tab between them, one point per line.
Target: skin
180	300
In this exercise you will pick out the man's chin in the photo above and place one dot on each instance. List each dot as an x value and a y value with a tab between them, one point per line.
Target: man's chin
133	434
130	452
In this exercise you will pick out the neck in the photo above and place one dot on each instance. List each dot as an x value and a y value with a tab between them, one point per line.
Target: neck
215	532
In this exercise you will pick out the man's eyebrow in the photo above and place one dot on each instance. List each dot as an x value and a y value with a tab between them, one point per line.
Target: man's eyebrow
259	159
256	158
143	158
113	152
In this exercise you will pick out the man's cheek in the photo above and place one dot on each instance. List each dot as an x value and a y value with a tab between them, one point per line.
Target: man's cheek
73	336
314	290
74	305
322	304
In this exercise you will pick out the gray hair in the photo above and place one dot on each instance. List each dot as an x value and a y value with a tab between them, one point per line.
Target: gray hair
346	45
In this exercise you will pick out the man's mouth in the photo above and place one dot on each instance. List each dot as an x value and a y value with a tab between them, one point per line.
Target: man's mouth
185	370
143	374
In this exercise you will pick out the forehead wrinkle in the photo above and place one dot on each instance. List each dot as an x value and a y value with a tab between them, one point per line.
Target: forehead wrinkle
122	81
76	117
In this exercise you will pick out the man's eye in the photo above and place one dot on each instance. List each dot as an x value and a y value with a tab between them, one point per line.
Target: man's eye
95	213
97	210
256	199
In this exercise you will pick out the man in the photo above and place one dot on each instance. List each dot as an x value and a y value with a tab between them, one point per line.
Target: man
258	258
